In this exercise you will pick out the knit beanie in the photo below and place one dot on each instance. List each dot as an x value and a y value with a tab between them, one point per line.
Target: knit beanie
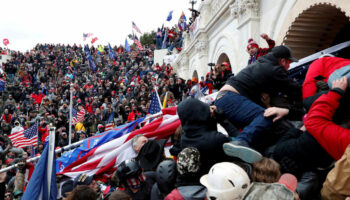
252	43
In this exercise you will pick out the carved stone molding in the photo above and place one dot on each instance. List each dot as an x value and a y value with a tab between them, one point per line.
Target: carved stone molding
201	46
184	62
242	8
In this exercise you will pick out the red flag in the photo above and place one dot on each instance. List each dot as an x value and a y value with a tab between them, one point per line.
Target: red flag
6	41
94	40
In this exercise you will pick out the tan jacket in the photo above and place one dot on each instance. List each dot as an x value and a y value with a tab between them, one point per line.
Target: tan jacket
337	184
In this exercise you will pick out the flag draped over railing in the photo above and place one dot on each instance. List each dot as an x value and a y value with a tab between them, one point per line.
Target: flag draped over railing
92	142
103	160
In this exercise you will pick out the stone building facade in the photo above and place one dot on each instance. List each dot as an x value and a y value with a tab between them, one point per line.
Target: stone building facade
222	30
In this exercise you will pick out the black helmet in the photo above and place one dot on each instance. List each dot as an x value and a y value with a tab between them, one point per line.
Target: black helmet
128	169
166	176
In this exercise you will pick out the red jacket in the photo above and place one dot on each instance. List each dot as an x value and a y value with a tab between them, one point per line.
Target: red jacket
321	67
38	98
332	137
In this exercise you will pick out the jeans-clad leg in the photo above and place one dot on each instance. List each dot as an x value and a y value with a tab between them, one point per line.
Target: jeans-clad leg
239	109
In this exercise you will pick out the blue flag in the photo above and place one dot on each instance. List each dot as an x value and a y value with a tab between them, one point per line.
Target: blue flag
170	16
127	46
89	143
2	84
38	184
91	61
164	45
110	52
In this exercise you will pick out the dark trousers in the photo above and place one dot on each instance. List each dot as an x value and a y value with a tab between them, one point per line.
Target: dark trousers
240	110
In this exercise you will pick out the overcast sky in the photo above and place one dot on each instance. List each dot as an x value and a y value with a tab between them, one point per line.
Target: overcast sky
28	22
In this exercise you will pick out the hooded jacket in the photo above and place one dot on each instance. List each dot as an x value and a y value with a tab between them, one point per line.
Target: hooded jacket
200	131
321	69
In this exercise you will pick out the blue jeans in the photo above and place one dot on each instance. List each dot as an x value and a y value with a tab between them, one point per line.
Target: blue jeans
239	109
158	43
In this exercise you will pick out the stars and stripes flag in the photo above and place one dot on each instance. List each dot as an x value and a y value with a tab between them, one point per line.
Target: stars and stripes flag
102	161
86	35
155	106
138	43
26	137
92	142
110	123
136	28
77	116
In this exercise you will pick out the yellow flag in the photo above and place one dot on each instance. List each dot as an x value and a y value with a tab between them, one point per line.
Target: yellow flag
100	48
165	100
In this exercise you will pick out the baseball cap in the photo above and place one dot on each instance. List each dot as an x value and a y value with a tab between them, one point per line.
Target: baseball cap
283	52
82	179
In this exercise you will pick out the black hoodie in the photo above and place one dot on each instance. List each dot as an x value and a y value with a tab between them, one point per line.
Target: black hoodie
200	131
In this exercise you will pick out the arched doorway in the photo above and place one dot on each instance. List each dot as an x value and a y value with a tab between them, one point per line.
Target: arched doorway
223	58
317	28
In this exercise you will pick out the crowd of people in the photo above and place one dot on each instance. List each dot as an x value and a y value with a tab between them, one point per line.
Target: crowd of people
281	141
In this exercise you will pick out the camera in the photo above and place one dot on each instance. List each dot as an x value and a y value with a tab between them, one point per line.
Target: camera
211	64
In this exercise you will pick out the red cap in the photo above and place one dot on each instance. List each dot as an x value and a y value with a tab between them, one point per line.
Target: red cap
290	181
225	64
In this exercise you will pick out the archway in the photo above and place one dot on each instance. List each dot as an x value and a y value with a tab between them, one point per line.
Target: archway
223	58
317	28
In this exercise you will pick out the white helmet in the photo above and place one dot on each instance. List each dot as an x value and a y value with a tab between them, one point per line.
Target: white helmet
225	181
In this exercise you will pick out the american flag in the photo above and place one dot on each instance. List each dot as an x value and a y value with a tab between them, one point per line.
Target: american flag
136	28
77	116
138	43
155	106
102	161
2	84
109	124
86	35
26	137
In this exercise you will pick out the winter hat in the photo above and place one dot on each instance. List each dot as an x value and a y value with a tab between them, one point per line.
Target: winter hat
252	43
188	161
338	74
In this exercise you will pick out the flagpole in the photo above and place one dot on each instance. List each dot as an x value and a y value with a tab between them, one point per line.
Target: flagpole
160	104
50	157
68	147
70	114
